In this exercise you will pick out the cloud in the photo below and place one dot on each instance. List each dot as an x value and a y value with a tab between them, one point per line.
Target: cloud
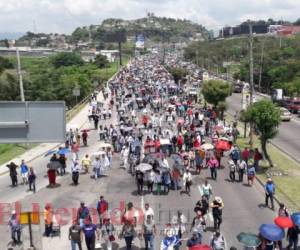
66	15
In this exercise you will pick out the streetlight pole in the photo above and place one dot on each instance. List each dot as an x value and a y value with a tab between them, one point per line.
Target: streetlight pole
251	77
20	76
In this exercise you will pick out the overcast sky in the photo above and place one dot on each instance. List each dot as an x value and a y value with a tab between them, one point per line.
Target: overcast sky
63	16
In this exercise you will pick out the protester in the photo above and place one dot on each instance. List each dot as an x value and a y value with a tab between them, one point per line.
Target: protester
107	232
83	213
269	193
13	174
217	206
217	241
48	219
75	235
90	232
128	233
24	172
149	231
31	179
15	227
102	208
75	172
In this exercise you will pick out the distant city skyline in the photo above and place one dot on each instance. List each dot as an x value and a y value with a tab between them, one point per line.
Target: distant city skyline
63	16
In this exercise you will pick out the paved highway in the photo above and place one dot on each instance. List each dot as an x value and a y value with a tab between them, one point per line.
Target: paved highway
288	138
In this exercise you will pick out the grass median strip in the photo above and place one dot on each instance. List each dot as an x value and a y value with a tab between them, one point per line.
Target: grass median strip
285	173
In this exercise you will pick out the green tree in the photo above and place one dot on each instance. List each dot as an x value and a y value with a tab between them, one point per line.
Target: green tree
66	59
177	73
216	91
265	115
101	61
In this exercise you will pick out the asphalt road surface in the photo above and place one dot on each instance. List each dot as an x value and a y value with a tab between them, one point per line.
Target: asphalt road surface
243	210
288	138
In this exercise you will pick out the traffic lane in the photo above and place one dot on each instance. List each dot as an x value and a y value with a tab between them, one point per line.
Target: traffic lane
288	139
244	210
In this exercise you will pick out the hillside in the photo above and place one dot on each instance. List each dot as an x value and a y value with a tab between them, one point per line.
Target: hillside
154	28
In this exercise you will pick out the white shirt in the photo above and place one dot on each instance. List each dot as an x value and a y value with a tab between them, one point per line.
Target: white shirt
147	212
165	163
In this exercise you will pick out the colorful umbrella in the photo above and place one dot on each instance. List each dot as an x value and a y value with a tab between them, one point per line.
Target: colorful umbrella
283	222
50	152
63	151
271	232
223	145
200	247
207	146
143	167
248	239
105	145
180	121
296	218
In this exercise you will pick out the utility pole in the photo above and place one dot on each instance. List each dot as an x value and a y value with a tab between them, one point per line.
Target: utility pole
251	77
120	53
261	63
20	76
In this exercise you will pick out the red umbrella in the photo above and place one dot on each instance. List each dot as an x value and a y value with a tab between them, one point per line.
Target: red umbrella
283	222
223	145
200	247
180	121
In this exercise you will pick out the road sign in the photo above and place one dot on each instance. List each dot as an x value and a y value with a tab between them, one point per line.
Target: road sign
76	92
33	216
29	122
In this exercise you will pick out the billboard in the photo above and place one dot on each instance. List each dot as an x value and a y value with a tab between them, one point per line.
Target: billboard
115	36
30	122
140	41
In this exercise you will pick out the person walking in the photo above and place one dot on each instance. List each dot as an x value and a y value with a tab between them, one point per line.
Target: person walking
128	233
217	241
107	232
251	175
24	172
140	182
13	173
31	179
83	213
63	164
232	170
90	232
102	208
86	163
15	228
48	219
187	181
217	206
293	237
75	235
269	193
97	167
206	190
176	178
213	164
241	168
149	231
75	173
283	211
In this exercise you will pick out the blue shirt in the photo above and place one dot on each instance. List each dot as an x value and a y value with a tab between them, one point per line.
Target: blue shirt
89	230
270	188
24	168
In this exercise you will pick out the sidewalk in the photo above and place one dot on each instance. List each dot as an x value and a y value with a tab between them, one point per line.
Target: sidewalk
40	150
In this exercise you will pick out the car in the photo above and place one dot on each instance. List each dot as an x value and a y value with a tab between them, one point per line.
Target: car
293	105
285	115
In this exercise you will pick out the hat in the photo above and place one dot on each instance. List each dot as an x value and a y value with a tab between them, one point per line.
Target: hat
13	212
218	199
269	180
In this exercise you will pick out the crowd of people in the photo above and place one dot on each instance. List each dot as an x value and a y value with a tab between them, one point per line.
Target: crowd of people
165	137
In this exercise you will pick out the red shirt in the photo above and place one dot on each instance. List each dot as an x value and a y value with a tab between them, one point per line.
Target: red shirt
245	154
180	140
